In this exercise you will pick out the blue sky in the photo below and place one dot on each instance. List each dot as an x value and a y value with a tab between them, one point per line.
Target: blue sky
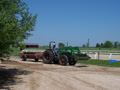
74	21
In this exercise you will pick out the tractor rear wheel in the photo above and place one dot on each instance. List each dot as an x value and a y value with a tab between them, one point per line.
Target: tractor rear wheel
72	62
63	59
48	57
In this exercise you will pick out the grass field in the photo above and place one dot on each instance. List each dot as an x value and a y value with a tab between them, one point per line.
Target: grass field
105	63
94	48
102	50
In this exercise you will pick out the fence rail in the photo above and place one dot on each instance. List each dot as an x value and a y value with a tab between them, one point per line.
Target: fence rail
103	55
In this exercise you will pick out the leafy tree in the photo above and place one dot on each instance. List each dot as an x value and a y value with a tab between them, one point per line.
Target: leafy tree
108	44
102	45
83	45
116	44
16	22
119	45
61	45
97	45
22	46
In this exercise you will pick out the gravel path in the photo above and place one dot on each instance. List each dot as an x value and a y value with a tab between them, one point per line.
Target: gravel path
56	77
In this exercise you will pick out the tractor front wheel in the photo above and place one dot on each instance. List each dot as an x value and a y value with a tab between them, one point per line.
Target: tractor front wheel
63	59
72	62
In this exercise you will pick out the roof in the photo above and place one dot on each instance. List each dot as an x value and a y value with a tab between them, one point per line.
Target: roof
31	44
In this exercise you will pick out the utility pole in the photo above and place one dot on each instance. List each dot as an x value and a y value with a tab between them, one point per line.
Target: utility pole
88	42
67	43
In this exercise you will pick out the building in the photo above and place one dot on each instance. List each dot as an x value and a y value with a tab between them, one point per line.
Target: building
31	45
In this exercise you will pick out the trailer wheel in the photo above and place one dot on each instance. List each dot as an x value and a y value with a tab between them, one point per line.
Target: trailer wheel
24	58
72	62
36	60
63	59
48	57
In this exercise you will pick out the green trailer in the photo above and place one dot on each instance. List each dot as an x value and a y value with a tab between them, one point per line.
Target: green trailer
65	55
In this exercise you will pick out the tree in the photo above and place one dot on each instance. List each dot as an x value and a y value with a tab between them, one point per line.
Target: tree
97	45
116	44
102	45
61	45
119	45
83	45
16	22
108	44
22	46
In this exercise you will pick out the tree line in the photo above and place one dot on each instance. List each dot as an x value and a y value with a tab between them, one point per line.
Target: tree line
108	44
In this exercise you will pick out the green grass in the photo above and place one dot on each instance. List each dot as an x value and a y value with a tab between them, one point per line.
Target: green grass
7	61
15	52
43	48
105	63
94	48
103	50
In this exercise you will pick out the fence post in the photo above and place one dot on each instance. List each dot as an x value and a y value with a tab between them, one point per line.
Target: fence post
88	53
95	55
110	56
98	55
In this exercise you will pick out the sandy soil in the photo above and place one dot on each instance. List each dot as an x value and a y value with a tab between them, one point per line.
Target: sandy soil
39	76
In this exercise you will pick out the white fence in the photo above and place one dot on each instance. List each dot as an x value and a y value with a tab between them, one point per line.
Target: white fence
103	56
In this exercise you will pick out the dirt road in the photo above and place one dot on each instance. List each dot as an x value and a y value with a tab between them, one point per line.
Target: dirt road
39	76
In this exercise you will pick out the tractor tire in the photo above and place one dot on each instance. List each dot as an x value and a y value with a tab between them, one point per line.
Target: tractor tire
63	59
36	60
48	57
72	62
24	57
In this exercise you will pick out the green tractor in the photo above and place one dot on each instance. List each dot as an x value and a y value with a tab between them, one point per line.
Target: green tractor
65	55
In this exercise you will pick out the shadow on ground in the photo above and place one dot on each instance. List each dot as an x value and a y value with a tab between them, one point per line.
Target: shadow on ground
81	66
9	77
